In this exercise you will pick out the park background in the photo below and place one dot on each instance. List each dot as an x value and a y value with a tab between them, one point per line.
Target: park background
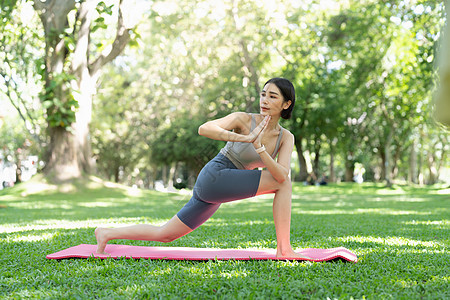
127	107
103	99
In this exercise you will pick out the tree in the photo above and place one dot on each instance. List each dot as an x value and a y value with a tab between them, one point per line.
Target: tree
71	69
21	49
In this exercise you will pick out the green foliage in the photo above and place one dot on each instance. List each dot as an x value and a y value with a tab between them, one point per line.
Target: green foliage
99	23
58	101
120	129
180	142
7	6
363	72
20	49
337	59
399	234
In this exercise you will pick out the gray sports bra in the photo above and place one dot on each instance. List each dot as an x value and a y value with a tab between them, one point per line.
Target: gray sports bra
243	155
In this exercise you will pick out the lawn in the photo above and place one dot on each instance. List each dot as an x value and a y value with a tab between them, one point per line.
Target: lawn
401	236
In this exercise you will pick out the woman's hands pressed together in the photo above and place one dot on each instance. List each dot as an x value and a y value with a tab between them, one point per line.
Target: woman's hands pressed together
255	136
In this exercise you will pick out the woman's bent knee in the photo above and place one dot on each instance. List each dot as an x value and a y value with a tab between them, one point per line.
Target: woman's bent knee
167	239
172	230
268	184
164	236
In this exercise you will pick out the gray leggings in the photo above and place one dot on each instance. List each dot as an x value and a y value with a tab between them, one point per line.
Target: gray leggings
219	181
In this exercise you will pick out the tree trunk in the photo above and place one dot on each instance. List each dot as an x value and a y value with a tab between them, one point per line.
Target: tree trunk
62	155
117	174
420	176
413	163
69	153
442	161
316	165
433	174
191	179
349	170
394	169
151	174
387	153
381	151
164	175
172	170
332	171
303	175
19	170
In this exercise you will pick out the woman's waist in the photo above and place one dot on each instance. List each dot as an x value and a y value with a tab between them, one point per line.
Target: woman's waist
225	156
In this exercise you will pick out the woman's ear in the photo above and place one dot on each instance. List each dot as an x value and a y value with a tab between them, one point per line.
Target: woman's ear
287	104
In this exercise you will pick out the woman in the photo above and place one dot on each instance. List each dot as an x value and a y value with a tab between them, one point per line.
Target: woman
254	142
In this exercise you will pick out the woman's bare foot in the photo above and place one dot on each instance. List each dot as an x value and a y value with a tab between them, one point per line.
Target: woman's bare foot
290	254
102	239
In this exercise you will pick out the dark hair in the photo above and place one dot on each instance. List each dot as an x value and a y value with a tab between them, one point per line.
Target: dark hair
287	90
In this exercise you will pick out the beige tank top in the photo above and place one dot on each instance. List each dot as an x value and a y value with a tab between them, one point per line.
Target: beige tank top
243	155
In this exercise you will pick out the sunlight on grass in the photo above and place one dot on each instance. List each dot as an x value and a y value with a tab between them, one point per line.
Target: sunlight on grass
64	224
377	211
391	212
439	223
443	192
252	222
32	238
224	222
258	245
390	192
133	192
99	204
160	272
62	204
399	199
428	251
130	191
318	199
38	187
415	283
390	241
234	274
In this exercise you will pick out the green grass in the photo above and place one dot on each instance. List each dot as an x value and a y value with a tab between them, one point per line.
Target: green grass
401	236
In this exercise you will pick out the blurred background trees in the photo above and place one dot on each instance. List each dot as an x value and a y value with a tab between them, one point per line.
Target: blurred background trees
364	73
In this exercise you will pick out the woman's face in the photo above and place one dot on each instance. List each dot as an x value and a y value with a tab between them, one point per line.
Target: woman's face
271	101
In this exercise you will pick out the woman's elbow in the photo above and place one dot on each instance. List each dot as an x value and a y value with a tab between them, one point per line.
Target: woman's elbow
283	178
201	129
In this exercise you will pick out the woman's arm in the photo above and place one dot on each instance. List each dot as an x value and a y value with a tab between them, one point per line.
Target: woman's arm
280	169
220	129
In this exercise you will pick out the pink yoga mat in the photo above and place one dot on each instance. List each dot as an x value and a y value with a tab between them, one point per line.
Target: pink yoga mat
187	253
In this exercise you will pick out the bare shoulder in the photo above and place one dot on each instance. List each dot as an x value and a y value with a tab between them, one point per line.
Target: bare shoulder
288	137
242	116
286	148
233	121
242	121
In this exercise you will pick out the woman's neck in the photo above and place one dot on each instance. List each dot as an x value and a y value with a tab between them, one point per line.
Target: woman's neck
273	123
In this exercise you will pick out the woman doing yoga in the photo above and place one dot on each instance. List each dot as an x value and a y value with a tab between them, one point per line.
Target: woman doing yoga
253	140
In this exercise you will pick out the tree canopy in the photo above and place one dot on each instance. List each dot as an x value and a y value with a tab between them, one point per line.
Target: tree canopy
364	73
